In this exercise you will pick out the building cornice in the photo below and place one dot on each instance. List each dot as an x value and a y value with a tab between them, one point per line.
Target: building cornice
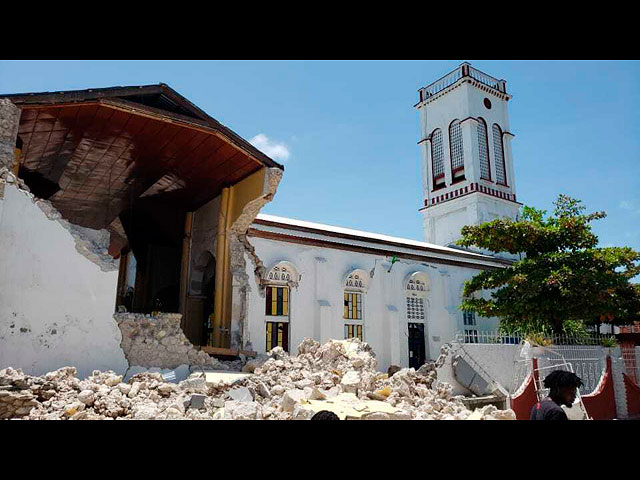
435	253
386	252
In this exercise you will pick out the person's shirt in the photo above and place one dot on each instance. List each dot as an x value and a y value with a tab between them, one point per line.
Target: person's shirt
547	409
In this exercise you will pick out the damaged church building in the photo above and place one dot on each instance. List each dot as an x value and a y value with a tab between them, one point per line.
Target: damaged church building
130	235
121	200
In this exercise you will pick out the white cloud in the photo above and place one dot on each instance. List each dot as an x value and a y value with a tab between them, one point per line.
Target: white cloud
630	205
275	150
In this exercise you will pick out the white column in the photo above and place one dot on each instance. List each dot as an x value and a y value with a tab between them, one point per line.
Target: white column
326	321
470	148
395	335
508	160
426	170
620	391
446	147
322	330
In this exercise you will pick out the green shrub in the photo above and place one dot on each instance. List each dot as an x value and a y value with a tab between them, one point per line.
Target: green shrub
609	342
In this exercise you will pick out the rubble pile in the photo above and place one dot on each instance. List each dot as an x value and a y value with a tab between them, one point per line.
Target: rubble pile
157	341
339	376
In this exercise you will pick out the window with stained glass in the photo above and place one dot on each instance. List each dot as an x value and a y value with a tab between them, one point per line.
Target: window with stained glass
352	306
498	155
437	158
277	335
353	331
277	301
483	150
355	286
455	145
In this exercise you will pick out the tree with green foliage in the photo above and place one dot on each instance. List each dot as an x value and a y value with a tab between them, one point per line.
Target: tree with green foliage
564	280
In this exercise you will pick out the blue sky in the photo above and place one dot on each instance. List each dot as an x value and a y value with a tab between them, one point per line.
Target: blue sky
347	130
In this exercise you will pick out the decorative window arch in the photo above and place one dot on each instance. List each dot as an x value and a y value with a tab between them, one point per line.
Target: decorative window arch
355	286
357	281
437	159
278	281
416	289
498	155
483	150
282	272
456	151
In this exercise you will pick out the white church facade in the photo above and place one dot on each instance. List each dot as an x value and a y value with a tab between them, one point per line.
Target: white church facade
401	296
326	282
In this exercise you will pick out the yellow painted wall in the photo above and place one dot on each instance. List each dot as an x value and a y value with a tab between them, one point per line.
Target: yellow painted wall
239	195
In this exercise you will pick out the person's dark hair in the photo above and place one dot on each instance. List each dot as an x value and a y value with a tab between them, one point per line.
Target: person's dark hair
560	379
325	415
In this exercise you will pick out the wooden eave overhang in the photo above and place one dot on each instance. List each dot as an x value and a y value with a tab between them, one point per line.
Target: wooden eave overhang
94	152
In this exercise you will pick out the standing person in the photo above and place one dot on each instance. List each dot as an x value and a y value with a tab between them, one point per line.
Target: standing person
563	388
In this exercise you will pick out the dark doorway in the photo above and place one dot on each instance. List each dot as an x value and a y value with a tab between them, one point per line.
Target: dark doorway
416	345
155	231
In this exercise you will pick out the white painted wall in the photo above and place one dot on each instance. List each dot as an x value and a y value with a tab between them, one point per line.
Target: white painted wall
316	305
442	222
56	306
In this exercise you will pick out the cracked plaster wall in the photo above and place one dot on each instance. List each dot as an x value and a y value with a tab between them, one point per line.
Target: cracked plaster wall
56	305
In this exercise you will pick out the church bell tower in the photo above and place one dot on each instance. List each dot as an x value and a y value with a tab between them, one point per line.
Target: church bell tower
467	165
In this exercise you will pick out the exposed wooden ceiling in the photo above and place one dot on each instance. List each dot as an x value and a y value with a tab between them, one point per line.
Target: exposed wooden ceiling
93	153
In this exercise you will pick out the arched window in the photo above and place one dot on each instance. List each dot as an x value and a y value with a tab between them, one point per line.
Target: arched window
277	304
416	289
456	151
355	286
437	159
498	155
483	150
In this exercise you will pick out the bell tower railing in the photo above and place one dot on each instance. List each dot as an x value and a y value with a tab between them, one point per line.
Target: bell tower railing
464	70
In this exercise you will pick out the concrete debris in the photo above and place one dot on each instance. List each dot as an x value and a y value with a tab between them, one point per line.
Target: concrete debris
197	401
339	376
158	341
240	394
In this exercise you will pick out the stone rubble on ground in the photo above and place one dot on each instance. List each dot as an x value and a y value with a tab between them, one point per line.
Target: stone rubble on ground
158	341
339	375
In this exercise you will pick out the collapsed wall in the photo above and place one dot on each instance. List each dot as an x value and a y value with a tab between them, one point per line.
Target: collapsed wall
157	341
57	289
